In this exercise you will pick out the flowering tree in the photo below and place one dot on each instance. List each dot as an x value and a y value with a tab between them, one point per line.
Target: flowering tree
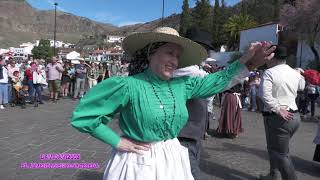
303	17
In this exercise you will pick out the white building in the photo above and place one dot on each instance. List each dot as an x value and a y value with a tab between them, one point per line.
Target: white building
106	55
59	44
278	35
113	39
265	32
72	55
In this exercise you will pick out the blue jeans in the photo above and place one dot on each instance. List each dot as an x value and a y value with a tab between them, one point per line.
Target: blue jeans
3	93
38	95
10	97
253	95
31	89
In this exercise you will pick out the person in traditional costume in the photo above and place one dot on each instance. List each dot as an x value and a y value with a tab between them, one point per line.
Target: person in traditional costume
152	104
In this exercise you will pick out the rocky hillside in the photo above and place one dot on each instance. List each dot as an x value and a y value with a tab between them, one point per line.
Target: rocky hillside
19	22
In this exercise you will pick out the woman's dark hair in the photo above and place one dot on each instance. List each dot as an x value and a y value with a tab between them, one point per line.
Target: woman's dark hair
140	60
280	52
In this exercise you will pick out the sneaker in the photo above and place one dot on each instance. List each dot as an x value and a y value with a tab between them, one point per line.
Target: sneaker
2	107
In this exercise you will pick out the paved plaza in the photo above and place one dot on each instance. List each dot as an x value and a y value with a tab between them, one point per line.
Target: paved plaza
27	133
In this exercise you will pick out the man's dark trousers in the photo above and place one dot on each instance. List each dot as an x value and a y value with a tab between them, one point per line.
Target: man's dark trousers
278	134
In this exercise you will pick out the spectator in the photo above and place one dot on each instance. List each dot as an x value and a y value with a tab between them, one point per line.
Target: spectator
54	71
39	79
11	68
3	84
93	75
81	72
72	72
313	94
102	72
65	80
17	86
28	80
23	95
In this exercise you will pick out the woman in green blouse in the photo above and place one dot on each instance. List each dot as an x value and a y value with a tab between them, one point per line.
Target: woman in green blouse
152	104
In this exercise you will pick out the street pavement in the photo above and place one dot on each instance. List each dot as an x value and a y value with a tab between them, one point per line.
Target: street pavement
27	133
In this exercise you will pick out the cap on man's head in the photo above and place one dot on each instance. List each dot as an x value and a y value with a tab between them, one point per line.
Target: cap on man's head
200	36
280	52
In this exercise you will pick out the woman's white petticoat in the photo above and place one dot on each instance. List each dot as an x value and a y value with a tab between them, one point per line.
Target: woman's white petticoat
166	160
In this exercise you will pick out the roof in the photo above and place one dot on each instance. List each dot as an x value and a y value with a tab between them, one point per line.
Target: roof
261	25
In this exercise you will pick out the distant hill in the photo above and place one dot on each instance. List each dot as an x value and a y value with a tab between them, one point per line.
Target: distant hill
170	21
20	22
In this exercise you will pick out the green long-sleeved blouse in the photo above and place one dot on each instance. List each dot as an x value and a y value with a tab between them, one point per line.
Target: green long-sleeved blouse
142	117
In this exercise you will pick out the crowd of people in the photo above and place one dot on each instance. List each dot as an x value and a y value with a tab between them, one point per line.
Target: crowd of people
24	82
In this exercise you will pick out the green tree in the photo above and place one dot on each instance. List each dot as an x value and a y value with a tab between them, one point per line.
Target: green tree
186	18
202	15
43	50
216	25
235	24
276	10
223	4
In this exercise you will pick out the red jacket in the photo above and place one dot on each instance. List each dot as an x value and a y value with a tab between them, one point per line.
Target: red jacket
29	74
312	76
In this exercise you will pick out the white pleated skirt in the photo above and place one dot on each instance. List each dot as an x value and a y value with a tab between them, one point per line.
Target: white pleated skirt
166	160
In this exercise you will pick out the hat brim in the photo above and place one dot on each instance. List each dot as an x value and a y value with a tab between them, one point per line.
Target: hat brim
193	53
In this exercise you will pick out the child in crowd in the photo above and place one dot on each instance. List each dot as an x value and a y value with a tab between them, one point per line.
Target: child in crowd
17	85
23	95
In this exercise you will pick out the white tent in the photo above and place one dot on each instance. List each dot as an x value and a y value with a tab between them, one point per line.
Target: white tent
72	55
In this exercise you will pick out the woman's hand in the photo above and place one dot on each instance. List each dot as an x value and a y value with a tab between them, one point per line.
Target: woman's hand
257	55
129	145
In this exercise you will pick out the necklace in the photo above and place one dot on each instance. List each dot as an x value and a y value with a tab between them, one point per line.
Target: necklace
165	120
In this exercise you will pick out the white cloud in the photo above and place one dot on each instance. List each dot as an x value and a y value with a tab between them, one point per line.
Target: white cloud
126	23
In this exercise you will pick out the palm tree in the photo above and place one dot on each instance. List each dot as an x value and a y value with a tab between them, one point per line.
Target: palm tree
235	24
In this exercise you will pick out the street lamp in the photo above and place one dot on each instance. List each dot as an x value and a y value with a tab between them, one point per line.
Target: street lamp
55	28
162	12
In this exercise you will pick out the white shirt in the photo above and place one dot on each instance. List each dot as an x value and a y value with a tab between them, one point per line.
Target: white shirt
192	71
195	71
279	87
5	75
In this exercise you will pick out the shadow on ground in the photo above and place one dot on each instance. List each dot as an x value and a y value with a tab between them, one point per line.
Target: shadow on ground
304	166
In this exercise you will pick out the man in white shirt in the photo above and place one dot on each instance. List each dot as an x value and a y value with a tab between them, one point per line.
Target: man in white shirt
11	68
3	84
278	91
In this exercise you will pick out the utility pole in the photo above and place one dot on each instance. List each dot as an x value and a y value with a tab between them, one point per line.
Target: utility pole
55	28
162	13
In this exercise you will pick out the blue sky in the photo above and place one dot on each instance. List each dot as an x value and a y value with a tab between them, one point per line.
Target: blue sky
117	12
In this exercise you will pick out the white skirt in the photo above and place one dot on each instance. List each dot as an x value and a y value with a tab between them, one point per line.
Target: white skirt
166	160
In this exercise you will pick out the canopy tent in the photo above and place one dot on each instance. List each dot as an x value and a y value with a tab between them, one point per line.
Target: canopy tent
73	55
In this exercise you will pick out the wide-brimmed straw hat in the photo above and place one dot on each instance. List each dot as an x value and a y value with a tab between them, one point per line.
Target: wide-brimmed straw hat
193	53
